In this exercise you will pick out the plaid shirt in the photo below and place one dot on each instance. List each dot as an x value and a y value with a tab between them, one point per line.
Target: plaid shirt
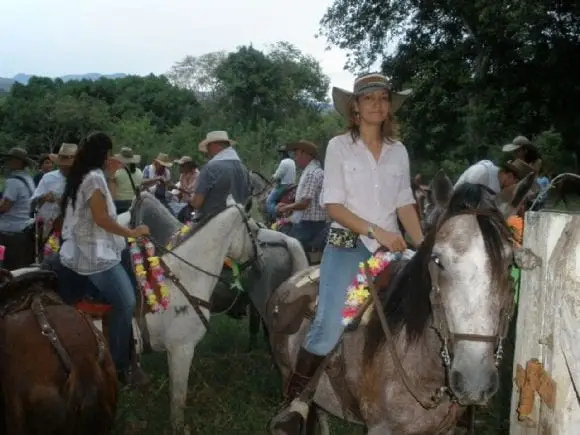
87	248
310	187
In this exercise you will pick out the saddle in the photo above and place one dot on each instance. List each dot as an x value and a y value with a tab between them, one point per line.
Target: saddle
16	291
296	299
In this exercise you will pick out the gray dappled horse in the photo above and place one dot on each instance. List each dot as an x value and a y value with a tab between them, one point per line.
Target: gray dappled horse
446	310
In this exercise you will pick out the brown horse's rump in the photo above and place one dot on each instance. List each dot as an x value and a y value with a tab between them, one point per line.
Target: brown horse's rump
55	375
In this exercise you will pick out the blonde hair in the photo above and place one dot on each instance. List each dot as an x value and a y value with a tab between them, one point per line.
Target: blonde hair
389	128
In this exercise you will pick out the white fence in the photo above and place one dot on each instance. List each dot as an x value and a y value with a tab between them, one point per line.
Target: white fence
548	330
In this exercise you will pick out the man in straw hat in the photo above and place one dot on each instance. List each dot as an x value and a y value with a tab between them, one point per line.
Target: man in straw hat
496	178
366	187
156	177
222	175
525	150
51	187
16	233
126	179
308	216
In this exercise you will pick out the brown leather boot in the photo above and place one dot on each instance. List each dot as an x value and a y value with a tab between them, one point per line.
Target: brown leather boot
291	421
134	375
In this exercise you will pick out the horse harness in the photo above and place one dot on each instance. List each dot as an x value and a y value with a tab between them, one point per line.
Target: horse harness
196	302
37	300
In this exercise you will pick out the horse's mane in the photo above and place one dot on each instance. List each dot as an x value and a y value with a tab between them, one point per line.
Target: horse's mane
405	301
264	179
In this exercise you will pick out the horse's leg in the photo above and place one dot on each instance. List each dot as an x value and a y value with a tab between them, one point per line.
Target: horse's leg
254	318
380	429
311	420
322	421
179	360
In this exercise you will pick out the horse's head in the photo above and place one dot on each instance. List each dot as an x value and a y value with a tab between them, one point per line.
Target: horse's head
471	290
243	231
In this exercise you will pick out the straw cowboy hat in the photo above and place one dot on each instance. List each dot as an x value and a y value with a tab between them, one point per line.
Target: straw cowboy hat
65	155
520	168
164	160
215	136
183	160
304	145
516	144
363	85
20	154
127	157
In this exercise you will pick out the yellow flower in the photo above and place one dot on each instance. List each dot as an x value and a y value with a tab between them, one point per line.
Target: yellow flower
130	239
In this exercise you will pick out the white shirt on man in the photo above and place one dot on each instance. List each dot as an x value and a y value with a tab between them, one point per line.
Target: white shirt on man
53	181
483	172
371	189
286	172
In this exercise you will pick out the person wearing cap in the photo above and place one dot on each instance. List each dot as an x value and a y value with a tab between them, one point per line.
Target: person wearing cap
157	176
223	175
367	185
308	216
45	165
184	189
15	222
127	179
524	149
495	178
51	187
284	177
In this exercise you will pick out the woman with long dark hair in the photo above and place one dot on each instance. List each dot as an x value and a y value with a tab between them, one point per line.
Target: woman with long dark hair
93	240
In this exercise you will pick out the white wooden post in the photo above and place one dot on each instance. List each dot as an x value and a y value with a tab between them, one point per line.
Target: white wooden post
548	322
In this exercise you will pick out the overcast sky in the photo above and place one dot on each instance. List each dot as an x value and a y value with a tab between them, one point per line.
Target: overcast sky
58	37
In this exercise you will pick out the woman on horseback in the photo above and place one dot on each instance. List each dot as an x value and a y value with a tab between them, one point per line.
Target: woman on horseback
93	240
367	185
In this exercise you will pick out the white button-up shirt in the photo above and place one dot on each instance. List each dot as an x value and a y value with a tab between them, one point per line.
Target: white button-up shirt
371	189
286	172
483	172
53	181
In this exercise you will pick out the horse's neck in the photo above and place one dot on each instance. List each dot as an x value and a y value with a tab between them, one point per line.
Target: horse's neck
205	251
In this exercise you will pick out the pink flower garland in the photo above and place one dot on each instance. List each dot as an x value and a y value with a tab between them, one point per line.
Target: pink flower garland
156	273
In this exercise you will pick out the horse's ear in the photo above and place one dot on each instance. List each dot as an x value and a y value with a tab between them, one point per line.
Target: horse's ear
522	189
230	201
441	188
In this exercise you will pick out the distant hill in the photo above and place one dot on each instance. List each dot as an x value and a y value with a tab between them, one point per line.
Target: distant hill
6	83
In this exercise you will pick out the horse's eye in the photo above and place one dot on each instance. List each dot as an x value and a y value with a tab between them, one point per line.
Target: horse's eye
437	261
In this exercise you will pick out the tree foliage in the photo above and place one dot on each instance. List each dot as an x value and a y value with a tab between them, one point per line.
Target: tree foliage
482	72
262	99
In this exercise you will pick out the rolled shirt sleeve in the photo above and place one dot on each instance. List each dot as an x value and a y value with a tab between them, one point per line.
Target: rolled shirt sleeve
333	189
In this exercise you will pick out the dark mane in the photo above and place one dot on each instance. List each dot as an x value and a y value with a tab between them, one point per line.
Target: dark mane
405	301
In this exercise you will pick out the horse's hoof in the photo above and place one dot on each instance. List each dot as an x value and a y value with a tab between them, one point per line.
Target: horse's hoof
288	422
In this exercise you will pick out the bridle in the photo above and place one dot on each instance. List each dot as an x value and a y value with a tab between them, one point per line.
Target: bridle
195	301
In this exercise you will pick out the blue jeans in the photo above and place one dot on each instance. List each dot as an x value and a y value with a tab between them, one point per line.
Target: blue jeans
307	232
273	199
338	268
116	288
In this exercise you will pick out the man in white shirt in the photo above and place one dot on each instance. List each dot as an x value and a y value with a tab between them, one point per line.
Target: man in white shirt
495	178
284	177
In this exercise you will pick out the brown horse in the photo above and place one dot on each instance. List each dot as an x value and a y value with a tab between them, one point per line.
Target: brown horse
432	344
56	373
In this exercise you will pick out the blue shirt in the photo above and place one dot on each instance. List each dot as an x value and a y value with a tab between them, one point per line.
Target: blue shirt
19	193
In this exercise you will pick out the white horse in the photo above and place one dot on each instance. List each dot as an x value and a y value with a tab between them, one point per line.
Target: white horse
196	263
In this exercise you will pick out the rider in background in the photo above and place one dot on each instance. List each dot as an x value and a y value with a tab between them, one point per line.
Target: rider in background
48	193
496	178
44	167
222	175
284	177
308	216
93	240
367	185
157	176
126	179
525	150
185	187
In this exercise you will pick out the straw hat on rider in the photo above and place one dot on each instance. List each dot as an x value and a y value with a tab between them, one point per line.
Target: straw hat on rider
516	144
164	160
127	156
366	84
304	145
20	154
215	136
519	168
183	160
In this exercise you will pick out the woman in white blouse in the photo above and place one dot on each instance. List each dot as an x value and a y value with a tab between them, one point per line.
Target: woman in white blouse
367	185
93	240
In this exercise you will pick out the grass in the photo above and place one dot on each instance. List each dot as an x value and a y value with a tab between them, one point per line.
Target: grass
235	392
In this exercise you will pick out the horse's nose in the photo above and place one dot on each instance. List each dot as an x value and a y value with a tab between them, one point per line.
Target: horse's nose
475	386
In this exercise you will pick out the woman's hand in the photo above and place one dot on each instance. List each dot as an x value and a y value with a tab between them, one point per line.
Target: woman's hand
140	231
394	242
